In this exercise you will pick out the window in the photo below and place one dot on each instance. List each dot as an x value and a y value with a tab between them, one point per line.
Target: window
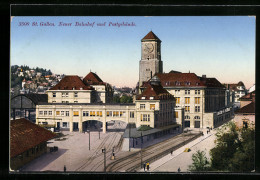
45	113
50	113
75	101
176	115
152	106
132	114
142	106
92	113
197	91
187	100
53	94
187	117
41	112
109	113
53	101
187	108
197	117
197	100
145	117
177	91
187	91
65	124
57	113
67	113
75	94
177	100
85	113
65	95
62	113
75	113
197	108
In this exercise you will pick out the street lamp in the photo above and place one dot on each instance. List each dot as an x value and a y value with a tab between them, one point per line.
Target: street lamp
88	131
104	151
141	148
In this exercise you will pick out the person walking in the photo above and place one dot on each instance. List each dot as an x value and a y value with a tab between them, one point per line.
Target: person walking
179	169
144	166
147	166
171	152
65	168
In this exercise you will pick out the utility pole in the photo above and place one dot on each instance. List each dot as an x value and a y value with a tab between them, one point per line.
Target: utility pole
104	151
129	136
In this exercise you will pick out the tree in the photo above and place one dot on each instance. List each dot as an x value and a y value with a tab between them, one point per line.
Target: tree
116	99
126	99
234	149
199	162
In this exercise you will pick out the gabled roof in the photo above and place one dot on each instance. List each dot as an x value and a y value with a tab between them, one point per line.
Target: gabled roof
212	82
234	87
35	98
248	97
248	109
155	91
180	79
25	135
151	36
92	79
70	83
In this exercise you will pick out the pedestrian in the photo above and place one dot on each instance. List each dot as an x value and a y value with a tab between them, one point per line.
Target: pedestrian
144	166
65	168
147	166
207	131
179	169
171	152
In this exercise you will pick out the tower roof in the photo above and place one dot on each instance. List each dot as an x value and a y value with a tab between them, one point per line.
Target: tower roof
151	36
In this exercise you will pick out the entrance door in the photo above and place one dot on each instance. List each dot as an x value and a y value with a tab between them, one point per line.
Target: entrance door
58	125
197	124
187	123
75	126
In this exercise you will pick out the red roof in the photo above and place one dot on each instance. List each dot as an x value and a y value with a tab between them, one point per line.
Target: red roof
248	97
155	91
212	82
70	83
151	36
180	79
93	79
248	109
25	135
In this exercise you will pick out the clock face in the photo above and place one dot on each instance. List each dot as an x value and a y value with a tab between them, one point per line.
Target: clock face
148	47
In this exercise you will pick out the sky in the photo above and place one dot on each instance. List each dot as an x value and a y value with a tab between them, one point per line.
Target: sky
217	46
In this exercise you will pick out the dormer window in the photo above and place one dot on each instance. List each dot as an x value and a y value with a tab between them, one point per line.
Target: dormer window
143	97
151	97
81	88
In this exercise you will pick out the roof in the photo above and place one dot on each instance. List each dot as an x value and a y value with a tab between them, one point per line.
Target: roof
240	83
134	133
155	91
248	109
212	82
93	79
25	135
234	86
180	79
70	83
248	97
35	98
151	36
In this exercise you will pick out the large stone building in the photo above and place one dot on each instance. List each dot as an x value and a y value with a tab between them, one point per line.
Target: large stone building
73	102
202	98
238	89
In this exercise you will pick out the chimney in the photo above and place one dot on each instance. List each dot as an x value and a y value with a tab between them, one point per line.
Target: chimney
203	76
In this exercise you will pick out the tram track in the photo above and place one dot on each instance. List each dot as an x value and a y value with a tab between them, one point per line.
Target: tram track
130	163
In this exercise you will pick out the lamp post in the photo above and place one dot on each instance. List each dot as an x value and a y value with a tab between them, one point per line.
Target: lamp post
88	131
141	149
104	151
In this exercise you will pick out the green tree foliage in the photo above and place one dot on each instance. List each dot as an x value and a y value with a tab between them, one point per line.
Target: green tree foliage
199	162
116	99
126	99
234	150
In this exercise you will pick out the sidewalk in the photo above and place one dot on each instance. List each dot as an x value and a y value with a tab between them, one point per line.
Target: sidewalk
158	166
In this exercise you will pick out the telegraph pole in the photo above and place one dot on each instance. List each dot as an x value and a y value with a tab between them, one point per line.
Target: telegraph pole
141	149
88	139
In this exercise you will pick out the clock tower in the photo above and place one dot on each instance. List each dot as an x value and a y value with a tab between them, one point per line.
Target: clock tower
150	62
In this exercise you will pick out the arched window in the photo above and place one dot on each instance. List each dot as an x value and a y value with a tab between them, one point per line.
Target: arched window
187	117
197	117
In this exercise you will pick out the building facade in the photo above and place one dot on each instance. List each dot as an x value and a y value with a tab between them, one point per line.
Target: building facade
203	99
